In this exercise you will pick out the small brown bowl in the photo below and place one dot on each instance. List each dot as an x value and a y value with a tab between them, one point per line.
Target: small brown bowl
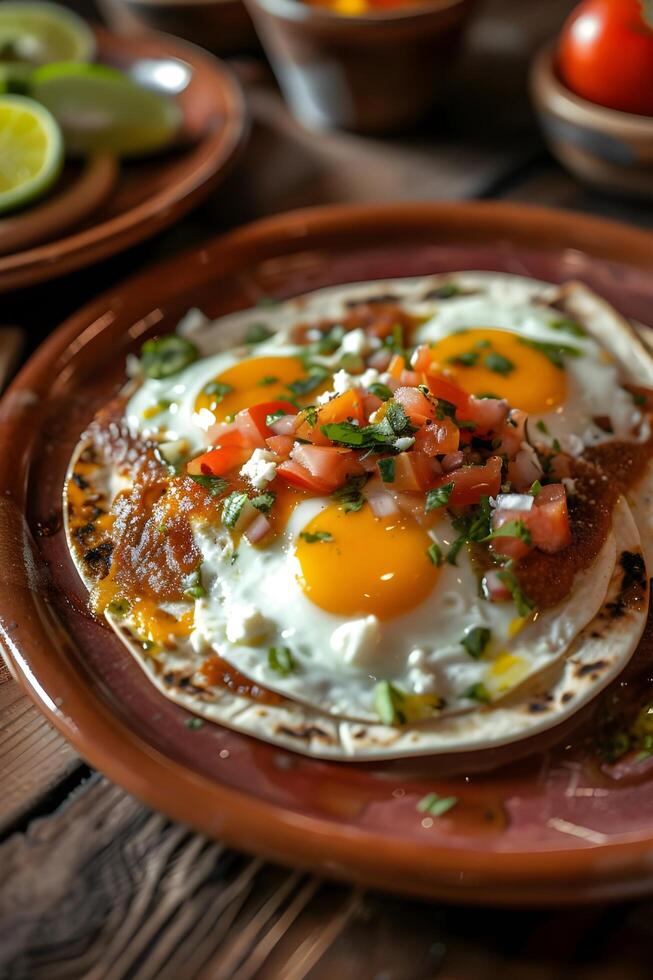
606	148
220	26
374	73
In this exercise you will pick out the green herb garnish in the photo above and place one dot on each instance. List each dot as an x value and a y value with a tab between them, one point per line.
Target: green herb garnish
554	352
509	579
194	724
281	661
119	607
381	391
568	326
387	469
472	527
511	529
233	508
446	291
217	390
273	417
193	587
466	359
216	485
162	357
434	551
438	497
479	692
303	386
436	806
499	364
267	380
264	501
475	641
536	486
350	496
312	537
388	701
542	427
257	333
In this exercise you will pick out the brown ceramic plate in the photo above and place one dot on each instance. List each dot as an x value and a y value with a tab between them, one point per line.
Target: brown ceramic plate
153	192
551	827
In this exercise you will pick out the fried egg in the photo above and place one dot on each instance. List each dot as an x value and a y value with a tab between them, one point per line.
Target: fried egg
355	598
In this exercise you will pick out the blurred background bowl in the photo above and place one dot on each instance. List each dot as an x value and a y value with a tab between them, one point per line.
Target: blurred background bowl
377	72
606	148
221	26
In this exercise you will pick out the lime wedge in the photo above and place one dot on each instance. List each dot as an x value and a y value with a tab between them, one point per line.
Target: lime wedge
100	109
38	33
31	151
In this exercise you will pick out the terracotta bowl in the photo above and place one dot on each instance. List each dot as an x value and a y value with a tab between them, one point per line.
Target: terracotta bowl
609	149
221	26
374	73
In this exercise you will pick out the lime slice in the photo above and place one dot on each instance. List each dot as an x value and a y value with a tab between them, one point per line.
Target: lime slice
100	109
38	33
31	151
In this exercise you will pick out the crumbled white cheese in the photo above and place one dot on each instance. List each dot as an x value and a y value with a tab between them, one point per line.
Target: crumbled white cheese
356	641
369	377
573	444
203	419
355	342
260	469
342	382
404	443
246	624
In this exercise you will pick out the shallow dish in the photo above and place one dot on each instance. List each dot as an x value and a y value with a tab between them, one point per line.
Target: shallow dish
153	192
609	149
551	828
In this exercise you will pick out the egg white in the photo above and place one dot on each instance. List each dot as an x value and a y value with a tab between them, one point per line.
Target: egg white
254	600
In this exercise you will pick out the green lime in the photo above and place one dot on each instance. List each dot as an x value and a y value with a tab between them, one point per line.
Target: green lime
31	151
37	33
100	109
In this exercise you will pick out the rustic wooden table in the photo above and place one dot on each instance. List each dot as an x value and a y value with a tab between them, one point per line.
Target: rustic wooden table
94	885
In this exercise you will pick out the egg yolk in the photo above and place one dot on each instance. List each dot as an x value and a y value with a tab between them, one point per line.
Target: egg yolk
496	362
259	379
363	565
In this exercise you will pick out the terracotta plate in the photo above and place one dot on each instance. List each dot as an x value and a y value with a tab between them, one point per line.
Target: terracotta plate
551	826
153	192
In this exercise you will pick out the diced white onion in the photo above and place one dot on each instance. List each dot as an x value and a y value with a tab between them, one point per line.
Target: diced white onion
284	426
515	501
257	529
382	503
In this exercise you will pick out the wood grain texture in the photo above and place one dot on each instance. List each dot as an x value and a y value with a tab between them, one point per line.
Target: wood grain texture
104	889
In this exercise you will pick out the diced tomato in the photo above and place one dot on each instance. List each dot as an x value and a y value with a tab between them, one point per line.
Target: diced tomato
421	359
218	461
487	414
257	414
548	521
298	476
331	465
510	546
512	433
371	404
443	388
437	438
396	366
380	359
281	445
411	378
414	472
473	482
228	434
415	404
524	469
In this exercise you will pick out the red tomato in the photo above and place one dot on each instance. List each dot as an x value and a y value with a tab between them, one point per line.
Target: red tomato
605	55
218	461
416	405
470	483
298	476
438	438
414	472
257	414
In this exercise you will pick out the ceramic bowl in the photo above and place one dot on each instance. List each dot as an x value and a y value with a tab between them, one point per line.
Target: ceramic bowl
374	73
606	148
221	26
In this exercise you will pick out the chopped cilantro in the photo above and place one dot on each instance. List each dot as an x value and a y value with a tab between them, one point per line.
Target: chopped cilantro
568	326
475	641
511	529
350	495
217	390
479	692
119	607
434	551
216	485
387	469
264	501
315	377
257	333
353	363
438	497
281	661
194	724
499	364
555	445
472	526
487	394
542	427
273	417
446	291
436	806
466	359
162	357
509	579
388	701
638	398
556	353
380	390
266	380
193	587
536	486
233	508
312	537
